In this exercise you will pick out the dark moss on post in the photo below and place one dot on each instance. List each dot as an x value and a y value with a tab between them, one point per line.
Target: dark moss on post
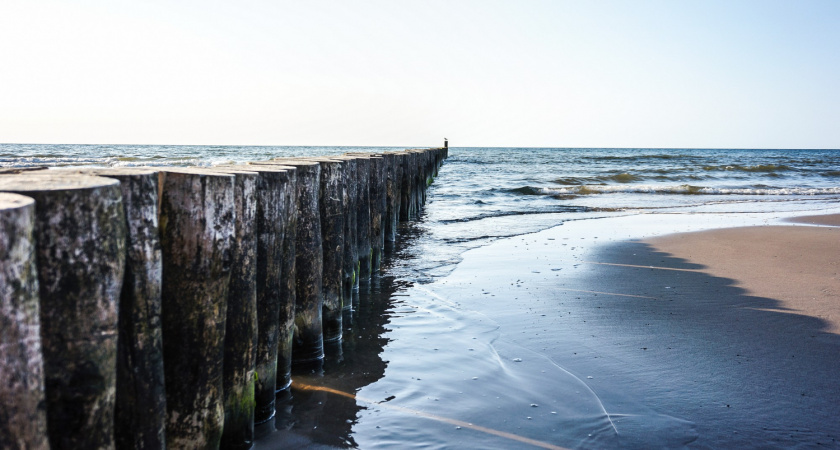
275	317
140	414
23	417
197	226
80	246
308	340
241	319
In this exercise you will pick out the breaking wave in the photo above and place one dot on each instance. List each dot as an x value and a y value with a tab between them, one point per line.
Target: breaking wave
684	189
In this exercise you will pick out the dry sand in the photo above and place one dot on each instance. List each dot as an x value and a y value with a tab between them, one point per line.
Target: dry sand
798	266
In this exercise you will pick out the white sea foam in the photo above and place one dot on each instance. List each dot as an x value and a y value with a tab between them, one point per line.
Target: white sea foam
686	189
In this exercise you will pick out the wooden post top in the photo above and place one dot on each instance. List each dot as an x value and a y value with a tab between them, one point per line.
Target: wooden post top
294	162
14	201
48	181
109	171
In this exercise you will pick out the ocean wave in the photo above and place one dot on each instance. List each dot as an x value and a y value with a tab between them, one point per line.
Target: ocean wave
52	161
528	190
626	177
573	181
666	156
761	168
622	178
495	214
684	189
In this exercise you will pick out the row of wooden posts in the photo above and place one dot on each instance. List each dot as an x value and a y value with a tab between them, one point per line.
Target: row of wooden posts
164	307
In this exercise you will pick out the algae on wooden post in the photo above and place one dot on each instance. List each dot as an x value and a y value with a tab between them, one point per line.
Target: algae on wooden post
23	417
80	245
197	217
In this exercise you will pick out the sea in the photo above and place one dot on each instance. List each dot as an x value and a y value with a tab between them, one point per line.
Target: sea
482	196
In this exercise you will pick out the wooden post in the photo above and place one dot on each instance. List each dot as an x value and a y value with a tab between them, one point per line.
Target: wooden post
23	416
140	414
378	210
419	185
363	218
80	246
350	249
308	341
197	215
392	190
331	204
240	344
275	311
406	186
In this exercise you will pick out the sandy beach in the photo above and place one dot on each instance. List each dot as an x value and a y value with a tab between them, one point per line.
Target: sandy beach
797	266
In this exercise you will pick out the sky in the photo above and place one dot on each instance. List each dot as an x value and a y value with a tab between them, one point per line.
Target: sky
524	73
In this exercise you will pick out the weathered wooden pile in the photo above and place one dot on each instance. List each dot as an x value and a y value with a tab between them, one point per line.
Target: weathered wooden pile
165	307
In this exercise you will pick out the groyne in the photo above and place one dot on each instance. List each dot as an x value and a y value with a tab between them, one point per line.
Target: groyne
165	307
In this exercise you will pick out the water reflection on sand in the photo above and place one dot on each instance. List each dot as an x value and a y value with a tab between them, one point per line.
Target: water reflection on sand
416	369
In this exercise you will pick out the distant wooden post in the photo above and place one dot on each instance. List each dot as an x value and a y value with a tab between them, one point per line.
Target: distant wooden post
363	218
197	215
378	210
308	341
80	245
23	417
406	185
331	204
350	256
392	195
418	184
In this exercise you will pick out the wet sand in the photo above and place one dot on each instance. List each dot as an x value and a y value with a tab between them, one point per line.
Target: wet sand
596	334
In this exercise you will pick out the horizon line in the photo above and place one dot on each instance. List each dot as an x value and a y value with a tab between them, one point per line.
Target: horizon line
450	146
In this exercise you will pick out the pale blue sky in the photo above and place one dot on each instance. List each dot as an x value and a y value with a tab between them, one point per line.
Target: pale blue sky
623	73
